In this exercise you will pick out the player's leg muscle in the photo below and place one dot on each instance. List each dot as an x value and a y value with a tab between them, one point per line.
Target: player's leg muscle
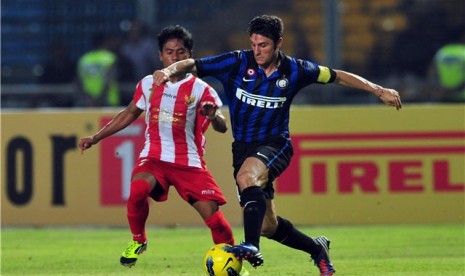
205	208
270	221
252	173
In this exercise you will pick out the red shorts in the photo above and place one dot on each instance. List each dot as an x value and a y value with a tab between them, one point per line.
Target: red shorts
192	184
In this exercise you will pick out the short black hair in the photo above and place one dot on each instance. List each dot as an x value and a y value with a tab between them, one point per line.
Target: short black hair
176	32
270	26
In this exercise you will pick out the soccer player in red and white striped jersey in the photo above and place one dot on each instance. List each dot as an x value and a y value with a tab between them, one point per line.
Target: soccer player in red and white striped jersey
177	115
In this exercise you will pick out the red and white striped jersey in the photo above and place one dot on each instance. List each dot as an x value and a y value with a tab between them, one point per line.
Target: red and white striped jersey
174	129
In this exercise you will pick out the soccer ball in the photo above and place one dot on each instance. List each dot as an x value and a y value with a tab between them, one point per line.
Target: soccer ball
219	261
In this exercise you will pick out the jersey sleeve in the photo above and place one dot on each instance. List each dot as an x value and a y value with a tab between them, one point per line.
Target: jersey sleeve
317	73
217	66
210	95
142	92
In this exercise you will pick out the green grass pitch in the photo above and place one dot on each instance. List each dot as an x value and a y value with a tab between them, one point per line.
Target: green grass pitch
355	250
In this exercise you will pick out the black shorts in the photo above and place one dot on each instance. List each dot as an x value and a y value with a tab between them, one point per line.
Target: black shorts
275	152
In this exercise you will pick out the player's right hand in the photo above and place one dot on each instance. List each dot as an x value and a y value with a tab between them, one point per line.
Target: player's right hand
208	109
160	77
86	143
391	97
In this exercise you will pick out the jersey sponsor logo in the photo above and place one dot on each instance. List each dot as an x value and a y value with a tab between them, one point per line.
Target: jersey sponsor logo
260	101
168	95
207	192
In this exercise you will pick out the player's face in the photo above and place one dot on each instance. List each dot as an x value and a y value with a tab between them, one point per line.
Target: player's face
173	51
264	49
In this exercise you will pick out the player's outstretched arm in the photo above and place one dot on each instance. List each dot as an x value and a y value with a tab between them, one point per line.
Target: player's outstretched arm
120	121
388	96
180	67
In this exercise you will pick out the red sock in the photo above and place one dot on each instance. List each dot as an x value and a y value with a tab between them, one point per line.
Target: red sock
220	228
138	209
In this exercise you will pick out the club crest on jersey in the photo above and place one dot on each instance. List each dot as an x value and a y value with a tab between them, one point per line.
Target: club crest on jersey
282	83
189	100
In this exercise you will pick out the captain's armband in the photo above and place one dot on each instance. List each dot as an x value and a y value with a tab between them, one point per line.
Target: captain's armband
326	75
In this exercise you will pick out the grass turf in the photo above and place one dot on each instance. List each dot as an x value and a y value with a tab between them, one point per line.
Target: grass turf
355	250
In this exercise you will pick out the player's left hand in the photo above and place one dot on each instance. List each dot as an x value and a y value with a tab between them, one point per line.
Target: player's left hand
391	97
86	143
208	109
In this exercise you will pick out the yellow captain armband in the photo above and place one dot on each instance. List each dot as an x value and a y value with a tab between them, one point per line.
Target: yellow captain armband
325	74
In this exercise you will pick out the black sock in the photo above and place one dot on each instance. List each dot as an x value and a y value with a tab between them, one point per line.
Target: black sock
288	235
254	202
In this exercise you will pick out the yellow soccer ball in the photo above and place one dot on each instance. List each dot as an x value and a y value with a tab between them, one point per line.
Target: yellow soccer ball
219	261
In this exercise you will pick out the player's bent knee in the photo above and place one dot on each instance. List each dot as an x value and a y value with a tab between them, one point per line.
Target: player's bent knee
245	181
140	189
206	209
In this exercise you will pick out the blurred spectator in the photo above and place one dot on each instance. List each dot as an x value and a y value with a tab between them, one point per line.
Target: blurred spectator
97	74
302	48
449	70
125	69
426	31
59	67
413	47
141	50
124	64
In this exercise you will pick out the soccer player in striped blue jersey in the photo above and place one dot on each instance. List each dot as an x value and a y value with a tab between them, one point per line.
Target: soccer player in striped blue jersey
260	84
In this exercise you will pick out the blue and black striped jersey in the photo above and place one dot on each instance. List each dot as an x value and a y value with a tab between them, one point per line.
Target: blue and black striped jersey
259	105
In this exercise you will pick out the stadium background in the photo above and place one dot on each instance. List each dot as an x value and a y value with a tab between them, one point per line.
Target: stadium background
46	181
389	41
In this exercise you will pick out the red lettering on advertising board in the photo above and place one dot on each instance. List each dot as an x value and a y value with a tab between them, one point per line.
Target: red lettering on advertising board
402	176
362	174
441	178
319	179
